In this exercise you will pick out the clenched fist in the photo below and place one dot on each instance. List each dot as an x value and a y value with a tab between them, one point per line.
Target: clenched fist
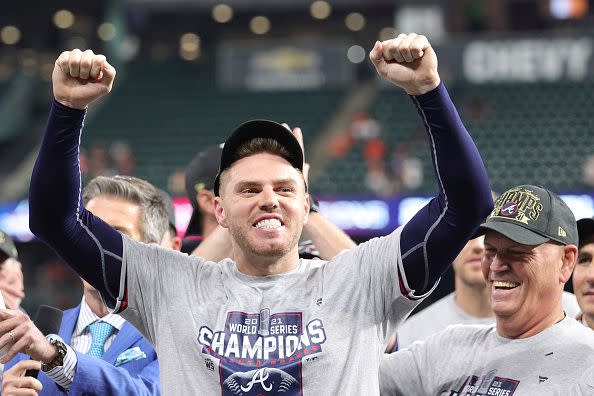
407	61
80	78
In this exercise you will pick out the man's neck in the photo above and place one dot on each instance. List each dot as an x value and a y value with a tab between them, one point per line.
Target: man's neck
589	320
518	326
253	265
93	300
473	300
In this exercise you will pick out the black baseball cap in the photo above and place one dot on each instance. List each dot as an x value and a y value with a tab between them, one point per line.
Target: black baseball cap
7	245
532	215
200	175
585	229
259	129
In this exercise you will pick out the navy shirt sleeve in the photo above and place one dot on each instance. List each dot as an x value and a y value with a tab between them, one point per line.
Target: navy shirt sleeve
56	212
435	235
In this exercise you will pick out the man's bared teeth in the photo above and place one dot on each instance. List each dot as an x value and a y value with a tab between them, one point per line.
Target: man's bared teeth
505	284
269	223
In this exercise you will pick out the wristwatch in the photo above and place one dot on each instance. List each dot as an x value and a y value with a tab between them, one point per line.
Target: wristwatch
59	359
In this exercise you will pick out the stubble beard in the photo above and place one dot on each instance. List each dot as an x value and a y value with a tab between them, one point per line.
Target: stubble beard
269	252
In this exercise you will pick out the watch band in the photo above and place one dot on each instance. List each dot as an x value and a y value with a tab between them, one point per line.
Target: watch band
59	359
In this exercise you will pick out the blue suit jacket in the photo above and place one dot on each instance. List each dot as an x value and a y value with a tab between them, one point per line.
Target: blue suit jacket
99	376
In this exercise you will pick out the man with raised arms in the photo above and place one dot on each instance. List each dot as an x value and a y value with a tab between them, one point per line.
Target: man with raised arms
207	320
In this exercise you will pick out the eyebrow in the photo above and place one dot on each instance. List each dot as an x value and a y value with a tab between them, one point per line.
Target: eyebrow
489	246
518	251
510	249
258	183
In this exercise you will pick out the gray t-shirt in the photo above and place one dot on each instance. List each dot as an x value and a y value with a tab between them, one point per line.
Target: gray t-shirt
466	360
319	329
445	312
436	317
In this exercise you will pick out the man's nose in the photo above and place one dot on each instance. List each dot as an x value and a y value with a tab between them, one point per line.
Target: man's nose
268	199
590	273
498	264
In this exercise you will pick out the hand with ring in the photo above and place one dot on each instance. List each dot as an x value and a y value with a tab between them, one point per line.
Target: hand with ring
20	335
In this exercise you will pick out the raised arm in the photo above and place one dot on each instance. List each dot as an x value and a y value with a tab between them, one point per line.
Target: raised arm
89	245
436	234
328	239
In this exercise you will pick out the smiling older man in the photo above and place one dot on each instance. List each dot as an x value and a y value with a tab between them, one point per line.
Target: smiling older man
534	348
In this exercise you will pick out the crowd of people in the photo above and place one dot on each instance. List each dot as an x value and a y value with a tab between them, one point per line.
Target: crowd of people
267	296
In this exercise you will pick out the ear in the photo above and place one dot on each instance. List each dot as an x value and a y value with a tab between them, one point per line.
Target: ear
177	243
568	259
219	212
205	201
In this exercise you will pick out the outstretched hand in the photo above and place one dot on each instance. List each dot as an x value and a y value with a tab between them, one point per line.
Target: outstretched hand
80	78
407	61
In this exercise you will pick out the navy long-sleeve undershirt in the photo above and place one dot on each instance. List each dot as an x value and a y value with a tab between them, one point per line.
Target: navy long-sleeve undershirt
56	213
435	235
429	242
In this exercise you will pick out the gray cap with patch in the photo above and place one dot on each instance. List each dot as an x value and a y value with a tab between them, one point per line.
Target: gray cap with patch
532	215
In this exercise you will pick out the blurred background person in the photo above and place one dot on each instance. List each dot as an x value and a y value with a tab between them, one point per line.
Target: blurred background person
469	303
199	181
170	238
11	273
11	276
583	274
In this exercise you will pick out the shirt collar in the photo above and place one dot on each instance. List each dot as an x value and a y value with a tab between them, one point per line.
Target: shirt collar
86	317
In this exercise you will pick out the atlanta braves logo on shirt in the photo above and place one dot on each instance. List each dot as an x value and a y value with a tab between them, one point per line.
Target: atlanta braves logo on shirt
260	353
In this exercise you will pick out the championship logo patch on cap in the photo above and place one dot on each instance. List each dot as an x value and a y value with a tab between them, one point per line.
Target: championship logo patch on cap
532	215
509	209
519	204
